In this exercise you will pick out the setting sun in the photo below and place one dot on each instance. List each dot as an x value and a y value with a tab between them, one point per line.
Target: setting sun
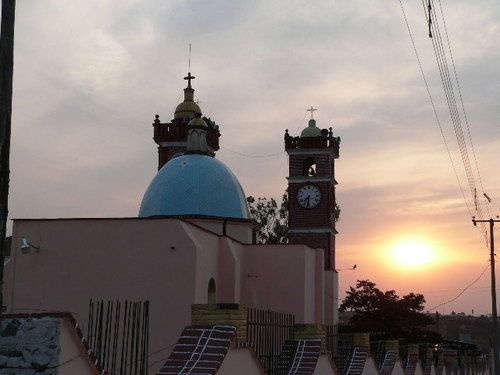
413	253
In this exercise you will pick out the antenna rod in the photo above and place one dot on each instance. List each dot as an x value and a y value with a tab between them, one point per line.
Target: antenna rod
189	63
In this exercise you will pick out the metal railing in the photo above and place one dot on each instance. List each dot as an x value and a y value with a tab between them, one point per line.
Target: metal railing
118	335
270	334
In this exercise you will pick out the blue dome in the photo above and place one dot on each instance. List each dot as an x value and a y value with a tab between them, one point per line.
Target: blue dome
195	185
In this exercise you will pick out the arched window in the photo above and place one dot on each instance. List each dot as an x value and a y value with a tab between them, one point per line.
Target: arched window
212	294
309	167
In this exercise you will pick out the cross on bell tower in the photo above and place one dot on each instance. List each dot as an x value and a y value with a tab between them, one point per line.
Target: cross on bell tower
312	111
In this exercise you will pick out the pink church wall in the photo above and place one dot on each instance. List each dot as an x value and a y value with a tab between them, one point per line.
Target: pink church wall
110	259
331	295
240	231
281	278
207	262
229	272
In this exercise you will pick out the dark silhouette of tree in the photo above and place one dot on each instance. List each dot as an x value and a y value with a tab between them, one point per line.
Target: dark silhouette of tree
274	220
388	316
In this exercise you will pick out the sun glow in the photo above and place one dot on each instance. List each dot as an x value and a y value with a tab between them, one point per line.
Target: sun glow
413	253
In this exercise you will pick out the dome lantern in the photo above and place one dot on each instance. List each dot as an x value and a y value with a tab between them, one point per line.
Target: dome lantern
188	108
311	130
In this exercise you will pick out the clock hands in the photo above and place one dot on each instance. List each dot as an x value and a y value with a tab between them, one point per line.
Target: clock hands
308	196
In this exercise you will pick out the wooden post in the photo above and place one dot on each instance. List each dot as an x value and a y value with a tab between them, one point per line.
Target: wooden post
6	72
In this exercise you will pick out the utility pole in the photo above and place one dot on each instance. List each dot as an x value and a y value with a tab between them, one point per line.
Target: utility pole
6	73
493	291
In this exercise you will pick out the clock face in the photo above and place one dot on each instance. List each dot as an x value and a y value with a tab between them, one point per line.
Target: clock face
308	196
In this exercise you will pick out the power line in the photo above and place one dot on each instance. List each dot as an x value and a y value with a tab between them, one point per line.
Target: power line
300	124
438	121
463	290
459	89
455	117
451	100
252	156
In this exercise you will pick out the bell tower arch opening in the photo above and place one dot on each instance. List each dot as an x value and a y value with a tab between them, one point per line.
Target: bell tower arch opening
309	167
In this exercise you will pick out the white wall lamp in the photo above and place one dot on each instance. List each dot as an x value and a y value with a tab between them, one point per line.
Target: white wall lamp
26	246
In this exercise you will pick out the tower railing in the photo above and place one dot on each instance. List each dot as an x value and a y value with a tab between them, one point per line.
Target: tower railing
326	141
177	131
173	132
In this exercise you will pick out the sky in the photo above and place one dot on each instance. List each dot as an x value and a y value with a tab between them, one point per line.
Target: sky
90	76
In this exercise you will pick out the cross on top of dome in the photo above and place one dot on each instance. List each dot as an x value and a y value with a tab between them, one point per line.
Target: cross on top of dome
189	78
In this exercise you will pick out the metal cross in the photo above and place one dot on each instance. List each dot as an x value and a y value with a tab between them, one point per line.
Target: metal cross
189	78
312	111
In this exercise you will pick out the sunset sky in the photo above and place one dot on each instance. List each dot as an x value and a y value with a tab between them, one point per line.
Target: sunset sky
91	75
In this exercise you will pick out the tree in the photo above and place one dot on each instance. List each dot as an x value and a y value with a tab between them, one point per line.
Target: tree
387	315
273	221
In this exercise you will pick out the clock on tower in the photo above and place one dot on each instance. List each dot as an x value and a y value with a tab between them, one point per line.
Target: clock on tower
311	188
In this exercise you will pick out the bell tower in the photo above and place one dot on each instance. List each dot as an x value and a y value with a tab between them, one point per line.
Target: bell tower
172	137
311	188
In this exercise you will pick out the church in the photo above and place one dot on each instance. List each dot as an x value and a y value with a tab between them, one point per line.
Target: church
192	244
186	287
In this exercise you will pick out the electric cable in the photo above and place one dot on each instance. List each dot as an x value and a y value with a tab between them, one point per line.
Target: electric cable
300	124
264	155
449	94
459	89
463	290
252	156
438	121
449	90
